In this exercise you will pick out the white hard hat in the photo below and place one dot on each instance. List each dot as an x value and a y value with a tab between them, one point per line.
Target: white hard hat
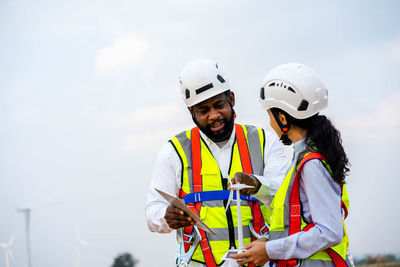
202	79
295	89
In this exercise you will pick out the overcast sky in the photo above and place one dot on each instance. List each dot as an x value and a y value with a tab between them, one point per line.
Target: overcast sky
89	93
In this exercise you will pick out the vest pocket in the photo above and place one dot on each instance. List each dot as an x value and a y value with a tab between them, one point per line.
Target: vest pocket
211	179
210	170
277	220
203	213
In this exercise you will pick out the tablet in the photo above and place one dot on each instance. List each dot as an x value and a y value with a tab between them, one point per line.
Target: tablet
177	203
227	256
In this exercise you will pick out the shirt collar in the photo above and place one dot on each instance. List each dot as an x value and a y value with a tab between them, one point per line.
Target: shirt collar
299	146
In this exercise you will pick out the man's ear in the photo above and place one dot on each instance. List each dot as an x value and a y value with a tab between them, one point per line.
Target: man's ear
191	111
232	98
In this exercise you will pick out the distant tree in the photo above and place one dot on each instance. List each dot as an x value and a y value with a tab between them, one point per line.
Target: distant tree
359	261
124	260
391	257
375	259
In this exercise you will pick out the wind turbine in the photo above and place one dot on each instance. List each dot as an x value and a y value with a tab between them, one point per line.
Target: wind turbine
7	250
237	188
27	212
79	242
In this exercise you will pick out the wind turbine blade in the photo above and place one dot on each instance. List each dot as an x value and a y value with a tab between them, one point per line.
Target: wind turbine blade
84	243
45	205
230	194
39	206
241	186
25	210
10	255
230	181
3	245
77	232
79	240
229	200
11	241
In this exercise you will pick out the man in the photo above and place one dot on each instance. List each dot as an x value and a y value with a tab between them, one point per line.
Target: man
198	164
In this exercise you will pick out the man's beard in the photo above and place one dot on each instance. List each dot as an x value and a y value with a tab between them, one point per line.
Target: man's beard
218	137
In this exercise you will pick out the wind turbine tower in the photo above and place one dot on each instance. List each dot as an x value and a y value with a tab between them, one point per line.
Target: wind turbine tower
79	242
27	213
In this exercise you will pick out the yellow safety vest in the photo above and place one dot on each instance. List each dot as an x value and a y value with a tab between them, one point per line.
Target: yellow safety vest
284	212
212	212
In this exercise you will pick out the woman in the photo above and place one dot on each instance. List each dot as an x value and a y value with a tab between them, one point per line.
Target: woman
307	223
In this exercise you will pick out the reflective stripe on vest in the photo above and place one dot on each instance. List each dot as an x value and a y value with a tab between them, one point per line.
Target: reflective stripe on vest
287	218
201	173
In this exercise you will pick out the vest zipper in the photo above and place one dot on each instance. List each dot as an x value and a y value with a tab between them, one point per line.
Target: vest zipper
231	229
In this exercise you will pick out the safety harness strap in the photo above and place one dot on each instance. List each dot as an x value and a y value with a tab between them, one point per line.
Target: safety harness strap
243	150
196	160
295	215
295	209
213	195
336	258
247	168
259	224
343	206
198	187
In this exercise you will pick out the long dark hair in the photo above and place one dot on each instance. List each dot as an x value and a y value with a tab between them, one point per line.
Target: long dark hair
321	133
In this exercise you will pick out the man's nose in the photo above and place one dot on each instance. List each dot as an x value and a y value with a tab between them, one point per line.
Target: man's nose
213	114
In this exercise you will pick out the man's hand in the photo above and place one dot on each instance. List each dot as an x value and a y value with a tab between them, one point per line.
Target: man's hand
177	218
256	254
244	178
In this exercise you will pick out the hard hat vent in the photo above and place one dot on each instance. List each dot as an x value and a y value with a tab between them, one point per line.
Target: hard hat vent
282	85
262	93
219	77
303	105
204	88
187	93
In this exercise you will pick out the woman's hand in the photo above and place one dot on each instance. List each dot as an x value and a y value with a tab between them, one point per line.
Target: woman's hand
244	178
256	253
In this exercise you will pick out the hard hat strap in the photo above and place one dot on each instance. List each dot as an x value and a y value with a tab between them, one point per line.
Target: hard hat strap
284	128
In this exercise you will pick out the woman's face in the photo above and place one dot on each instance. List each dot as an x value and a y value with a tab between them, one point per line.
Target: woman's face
273	124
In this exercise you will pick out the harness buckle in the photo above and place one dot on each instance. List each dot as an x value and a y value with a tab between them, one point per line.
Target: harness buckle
294	263
288	263
187	238
261	234
182	258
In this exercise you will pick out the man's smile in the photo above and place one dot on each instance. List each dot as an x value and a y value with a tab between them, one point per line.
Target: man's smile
217	126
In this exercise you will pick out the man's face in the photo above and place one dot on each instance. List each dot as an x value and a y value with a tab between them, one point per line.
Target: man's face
214	116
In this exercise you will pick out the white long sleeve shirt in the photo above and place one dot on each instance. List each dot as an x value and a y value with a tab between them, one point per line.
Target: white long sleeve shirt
320	198
168	169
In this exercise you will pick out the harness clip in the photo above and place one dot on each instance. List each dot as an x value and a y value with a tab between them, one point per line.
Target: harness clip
261	234
182	258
